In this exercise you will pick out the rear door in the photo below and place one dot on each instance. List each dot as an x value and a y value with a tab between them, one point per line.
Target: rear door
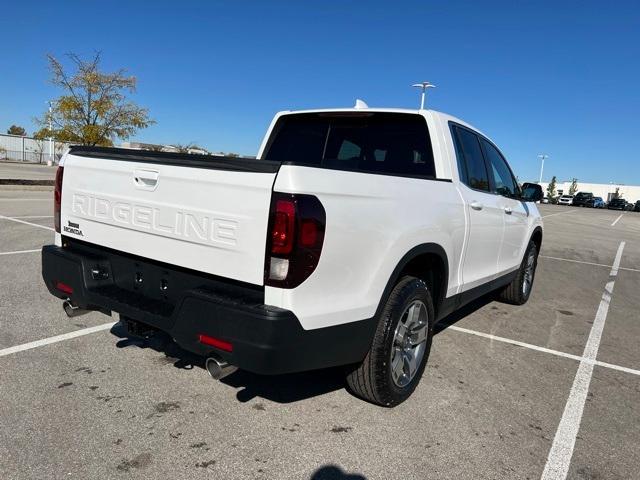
191	214
484	210
514	211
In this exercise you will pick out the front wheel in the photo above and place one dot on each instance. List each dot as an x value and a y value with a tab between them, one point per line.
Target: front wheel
518	291
394	365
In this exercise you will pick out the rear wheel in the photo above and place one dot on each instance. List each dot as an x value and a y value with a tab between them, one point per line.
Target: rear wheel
518	291
394	365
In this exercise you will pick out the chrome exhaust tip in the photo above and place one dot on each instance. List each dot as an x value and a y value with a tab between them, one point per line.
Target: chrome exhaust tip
218	368
73	310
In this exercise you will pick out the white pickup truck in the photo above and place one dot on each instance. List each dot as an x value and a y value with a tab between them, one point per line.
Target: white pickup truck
348	237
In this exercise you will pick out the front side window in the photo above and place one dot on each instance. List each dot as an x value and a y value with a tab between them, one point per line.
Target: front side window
375	142
473	170
503	182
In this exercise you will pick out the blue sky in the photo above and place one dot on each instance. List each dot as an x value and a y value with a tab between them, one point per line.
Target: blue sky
556	77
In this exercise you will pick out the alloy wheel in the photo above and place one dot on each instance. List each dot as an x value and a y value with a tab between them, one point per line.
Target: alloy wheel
409	343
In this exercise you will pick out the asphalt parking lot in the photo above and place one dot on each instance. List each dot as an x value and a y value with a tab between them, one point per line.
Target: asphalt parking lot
509	392
29	171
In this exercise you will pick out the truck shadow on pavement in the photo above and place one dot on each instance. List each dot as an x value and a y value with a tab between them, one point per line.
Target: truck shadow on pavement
286	388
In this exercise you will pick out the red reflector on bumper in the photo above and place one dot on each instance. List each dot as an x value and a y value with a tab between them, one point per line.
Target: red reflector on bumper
215	342
64	288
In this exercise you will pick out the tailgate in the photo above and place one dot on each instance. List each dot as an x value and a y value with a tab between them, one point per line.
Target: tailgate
192	214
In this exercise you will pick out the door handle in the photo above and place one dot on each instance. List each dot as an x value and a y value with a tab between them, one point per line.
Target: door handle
146	179
476	205
508	210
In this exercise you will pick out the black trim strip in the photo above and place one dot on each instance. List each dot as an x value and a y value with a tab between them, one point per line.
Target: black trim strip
456	302
236	164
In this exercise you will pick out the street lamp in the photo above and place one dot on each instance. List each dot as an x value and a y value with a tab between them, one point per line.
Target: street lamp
542	157
423	86
50	131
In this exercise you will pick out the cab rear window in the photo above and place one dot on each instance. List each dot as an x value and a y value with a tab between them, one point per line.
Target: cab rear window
384	143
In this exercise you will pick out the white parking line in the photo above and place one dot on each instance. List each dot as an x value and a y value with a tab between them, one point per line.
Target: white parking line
617	367
559	458
559	213
575	261
627	269
515	342
44	199
11	219
537	348
20	251
616	220
56	339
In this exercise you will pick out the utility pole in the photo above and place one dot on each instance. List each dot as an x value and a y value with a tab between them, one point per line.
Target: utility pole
542	157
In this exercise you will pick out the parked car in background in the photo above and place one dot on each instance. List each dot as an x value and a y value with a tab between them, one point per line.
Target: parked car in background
636	207
545	200
617	204
565	200
581	199
595	202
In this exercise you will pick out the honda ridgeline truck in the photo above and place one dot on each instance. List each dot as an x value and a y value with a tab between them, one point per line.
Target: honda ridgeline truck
348	237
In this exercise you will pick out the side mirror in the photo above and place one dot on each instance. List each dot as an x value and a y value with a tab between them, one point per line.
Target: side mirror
531	192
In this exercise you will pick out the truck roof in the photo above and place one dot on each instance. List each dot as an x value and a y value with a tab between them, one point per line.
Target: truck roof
444	116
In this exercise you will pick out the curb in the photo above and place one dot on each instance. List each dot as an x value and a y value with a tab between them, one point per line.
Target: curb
23	182
25	188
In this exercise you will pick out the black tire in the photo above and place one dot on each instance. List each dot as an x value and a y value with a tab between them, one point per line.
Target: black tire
372	380
515	293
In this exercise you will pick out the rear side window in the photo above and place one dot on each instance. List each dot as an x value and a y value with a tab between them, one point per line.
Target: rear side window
503	181
473	171
389	143
303	139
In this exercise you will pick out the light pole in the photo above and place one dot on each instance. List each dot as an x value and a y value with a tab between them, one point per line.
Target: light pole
610	194
542	157
51	132
423	86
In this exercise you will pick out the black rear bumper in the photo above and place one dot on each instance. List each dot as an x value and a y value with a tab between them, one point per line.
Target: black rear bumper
264	339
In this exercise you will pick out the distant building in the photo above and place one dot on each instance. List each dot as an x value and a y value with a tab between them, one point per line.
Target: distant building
164	148
631	193
148	146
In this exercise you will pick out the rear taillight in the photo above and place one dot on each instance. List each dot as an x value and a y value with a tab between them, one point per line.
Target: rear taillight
283	227
296	234
57	198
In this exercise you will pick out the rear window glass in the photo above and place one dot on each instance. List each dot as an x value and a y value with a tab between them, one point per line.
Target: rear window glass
390	143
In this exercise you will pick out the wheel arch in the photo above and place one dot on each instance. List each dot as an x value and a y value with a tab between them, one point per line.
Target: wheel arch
536	237
427	261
